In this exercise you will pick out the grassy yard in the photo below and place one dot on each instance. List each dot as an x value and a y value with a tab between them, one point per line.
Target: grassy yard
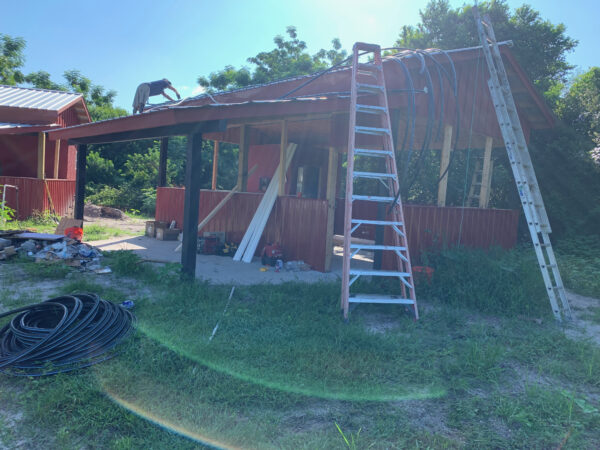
46	224
485	366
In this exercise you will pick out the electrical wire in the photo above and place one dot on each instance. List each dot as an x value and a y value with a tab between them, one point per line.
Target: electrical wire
62	334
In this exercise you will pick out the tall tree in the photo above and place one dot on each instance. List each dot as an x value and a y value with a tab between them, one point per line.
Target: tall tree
540	46
289	58
581	105
11	59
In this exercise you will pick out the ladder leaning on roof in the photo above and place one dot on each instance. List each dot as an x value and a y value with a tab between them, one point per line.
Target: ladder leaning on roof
368	82
520	161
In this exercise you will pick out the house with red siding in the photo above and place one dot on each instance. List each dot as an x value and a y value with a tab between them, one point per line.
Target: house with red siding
437	100
38	174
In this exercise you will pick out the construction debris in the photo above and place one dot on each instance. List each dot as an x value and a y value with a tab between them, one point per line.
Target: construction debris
51	248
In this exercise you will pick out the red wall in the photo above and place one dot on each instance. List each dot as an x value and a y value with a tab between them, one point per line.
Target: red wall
298	225
430	227
18	157
33	195
266	157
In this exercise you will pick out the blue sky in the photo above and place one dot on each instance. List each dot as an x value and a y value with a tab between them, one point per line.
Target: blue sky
119	44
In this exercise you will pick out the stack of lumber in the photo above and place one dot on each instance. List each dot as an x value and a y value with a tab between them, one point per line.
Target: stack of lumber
250	241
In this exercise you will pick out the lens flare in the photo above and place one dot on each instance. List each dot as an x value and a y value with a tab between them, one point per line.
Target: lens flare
422	393
166	424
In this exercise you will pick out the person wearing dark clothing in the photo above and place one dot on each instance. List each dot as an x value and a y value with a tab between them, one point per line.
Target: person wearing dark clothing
146	90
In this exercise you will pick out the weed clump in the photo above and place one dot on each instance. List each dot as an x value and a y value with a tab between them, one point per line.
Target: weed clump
495	282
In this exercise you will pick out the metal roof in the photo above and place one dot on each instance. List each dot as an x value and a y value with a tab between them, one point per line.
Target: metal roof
18	97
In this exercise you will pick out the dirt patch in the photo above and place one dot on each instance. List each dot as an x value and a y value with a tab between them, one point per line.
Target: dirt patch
130	224
581	327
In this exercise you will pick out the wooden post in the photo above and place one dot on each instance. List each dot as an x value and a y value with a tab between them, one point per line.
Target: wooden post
282	155
243	158
444	161
80	181
486	177
191	205
162	162
41	159
332	180
215	165
56	158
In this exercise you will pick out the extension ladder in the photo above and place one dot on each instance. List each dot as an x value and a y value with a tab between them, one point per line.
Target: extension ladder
370	121
520	161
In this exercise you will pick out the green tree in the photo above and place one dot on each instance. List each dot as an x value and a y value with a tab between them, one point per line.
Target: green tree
581	105
540	46
288	58
11	59
99	101
41	79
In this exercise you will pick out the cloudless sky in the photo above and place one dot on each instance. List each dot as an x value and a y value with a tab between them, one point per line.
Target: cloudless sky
119	44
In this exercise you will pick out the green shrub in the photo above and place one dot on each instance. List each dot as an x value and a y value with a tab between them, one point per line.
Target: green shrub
497	281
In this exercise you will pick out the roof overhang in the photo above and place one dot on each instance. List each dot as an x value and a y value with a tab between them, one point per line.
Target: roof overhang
20	128
177	121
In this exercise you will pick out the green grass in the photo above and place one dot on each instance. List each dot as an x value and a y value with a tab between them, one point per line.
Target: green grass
95	232
579	262
284	371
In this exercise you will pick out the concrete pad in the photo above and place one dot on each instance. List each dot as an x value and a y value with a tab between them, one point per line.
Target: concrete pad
222	269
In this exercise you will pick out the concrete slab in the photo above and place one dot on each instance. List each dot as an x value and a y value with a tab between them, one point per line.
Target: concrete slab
222	269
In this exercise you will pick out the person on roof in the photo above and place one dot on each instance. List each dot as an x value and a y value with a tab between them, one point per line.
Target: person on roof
146	90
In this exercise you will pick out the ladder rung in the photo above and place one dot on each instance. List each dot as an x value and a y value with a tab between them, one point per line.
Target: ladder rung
376	222
369	88
376	247
372	130
373	198
372	152
379	273
370	109
368	66
373	175
377	298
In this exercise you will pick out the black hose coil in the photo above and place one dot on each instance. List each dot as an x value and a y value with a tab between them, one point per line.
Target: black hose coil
62	334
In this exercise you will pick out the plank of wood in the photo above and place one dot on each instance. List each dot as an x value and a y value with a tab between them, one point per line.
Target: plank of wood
269	202
486	177
56	158
445	160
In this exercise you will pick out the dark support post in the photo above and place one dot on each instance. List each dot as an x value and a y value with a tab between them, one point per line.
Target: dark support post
80	181
243	158
191	204
162	162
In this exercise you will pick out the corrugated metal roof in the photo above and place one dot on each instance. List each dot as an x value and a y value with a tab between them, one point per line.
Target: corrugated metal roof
18	97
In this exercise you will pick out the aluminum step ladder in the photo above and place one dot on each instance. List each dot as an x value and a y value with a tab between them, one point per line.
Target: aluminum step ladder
520	161
371	128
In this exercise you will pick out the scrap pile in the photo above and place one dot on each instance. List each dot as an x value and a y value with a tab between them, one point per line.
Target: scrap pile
51	248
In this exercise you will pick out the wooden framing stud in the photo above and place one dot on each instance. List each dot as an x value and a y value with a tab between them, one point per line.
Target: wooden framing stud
41	156
243	158
332	180
486	177
215	167
56	158
444	161
282	156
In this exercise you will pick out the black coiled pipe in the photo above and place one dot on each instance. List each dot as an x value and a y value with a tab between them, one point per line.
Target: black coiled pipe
62	334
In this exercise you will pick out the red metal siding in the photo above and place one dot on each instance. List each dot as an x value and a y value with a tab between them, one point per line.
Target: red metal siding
298	225
34	197
430	227
18	155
